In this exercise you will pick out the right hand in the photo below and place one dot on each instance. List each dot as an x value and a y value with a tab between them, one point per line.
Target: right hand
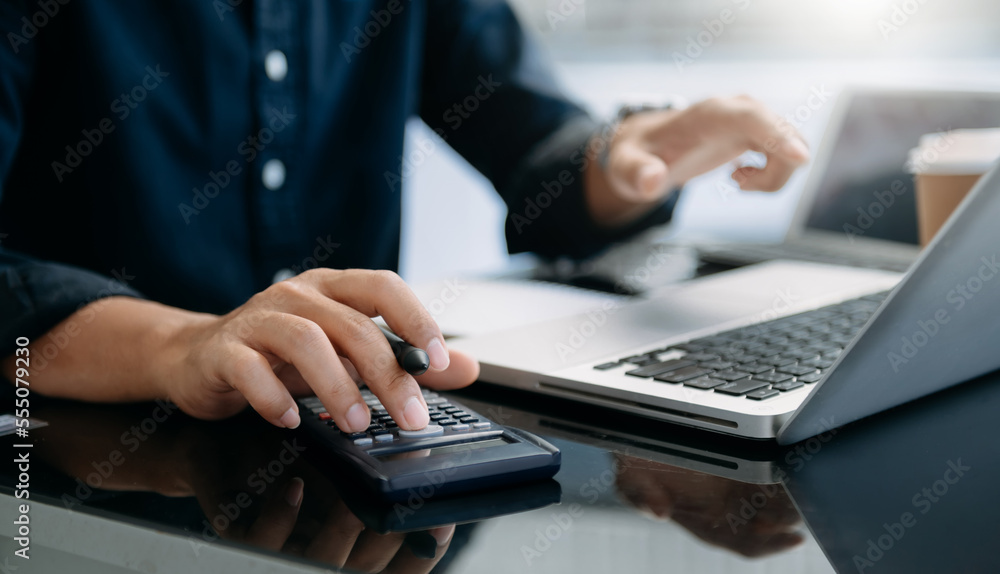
311	334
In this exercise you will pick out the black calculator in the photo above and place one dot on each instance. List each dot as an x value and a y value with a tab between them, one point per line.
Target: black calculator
459	451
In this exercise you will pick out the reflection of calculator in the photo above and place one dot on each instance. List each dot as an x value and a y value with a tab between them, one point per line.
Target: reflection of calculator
459	450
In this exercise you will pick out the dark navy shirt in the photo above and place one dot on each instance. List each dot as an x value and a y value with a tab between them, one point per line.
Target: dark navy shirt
193	151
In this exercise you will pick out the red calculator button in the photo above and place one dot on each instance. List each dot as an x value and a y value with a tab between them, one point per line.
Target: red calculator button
325	416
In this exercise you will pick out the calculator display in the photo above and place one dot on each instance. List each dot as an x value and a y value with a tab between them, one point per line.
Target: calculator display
452	448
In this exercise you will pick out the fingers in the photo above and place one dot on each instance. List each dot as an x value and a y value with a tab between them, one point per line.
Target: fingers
305	345
463	371
642	175
421	562
335	540
277	519
384	293
783	145
249	372
357	336
372	552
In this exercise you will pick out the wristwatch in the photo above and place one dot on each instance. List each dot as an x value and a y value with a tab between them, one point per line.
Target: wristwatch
611	128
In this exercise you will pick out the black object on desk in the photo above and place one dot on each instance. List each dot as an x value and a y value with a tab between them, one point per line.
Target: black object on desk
459	451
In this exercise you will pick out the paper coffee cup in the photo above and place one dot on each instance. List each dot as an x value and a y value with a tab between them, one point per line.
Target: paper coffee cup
945	167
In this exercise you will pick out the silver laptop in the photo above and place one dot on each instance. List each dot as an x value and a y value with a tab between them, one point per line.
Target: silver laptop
857	206
783	349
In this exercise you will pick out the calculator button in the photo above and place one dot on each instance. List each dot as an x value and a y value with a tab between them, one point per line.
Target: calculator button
438	416
469	420
363	441
354	435
390	425
378	432
384	438
447	422
431	395
429	430
325	416
482	425
374	403
460	427
436	401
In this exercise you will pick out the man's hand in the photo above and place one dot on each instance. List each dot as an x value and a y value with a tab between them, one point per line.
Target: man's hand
653	153
311	334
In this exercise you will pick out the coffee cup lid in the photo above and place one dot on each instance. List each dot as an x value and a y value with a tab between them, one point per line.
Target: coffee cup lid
957	152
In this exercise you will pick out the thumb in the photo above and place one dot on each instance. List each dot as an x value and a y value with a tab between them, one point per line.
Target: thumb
642	175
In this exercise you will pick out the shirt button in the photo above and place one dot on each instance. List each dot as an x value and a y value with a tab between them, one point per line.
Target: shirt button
282	275
276	65
273	174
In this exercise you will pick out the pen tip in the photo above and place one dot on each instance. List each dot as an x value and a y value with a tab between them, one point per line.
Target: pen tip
416	362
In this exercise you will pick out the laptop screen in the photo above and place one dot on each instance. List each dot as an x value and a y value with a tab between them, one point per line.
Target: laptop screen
870	153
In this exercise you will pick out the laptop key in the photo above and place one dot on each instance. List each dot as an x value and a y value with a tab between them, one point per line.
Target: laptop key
797	370
659	368
704	383
762	394
717	365
756	368
787	386
730	376
606	366
743	387
813	378
772	378
700	357
681	375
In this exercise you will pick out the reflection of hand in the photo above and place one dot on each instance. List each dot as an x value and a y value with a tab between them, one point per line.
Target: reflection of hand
221	465
340	540
710	507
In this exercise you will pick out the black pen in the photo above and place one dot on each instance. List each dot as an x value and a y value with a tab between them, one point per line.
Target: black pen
413	360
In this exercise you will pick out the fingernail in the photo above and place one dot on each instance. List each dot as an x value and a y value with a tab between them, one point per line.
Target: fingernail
443	534
438	355
415	414
358	417
293	492
290	419
795	147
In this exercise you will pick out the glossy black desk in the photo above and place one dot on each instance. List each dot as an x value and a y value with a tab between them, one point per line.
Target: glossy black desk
140	489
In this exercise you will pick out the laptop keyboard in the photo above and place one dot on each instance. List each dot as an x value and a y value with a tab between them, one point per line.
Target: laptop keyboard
759	361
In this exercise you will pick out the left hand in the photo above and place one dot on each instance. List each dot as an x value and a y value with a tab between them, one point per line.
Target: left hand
655	152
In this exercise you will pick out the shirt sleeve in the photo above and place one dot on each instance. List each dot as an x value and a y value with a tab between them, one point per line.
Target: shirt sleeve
34	295
489	92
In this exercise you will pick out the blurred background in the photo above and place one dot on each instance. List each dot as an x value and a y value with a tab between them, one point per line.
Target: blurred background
609	52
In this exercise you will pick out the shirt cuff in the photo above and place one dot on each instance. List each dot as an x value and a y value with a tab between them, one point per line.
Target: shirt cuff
35	297
546	209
